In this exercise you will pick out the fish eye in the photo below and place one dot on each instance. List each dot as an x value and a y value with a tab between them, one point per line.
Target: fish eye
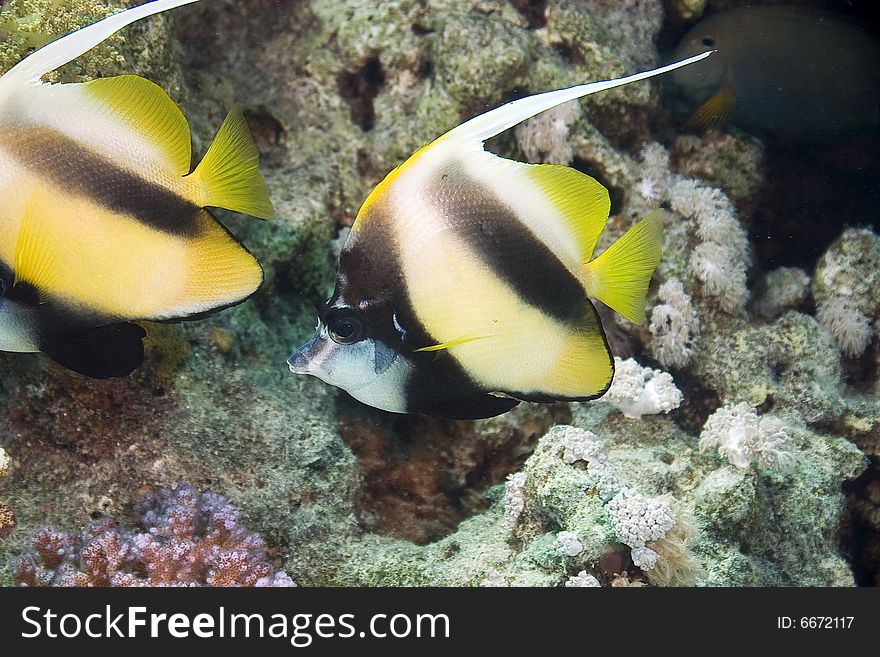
708	41
345	327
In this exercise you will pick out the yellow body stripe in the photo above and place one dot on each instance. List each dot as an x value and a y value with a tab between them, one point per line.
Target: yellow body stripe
118	266
526	351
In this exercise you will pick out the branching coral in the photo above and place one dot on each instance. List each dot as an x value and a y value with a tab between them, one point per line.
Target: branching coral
638	391
674	326
29	24
743	438
581	445
845	322
187	539
544	138
637	519
493	579
845	287
7	515
568	544
514	502
720	258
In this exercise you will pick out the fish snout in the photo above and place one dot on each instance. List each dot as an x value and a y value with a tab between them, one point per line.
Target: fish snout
303	360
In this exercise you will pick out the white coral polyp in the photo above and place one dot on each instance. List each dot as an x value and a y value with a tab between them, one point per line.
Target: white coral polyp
637	519
674	326
846	322
514	499
638	391
742	438
580	445
645	558
568	544
582	580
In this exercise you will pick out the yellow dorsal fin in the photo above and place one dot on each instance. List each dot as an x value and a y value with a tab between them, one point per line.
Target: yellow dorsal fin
714	111
619	277
228	176
451	343
34	262
581	200
150	113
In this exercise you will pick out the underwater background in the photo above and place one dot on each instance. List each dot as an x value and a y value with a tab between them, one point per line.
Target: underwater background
765	311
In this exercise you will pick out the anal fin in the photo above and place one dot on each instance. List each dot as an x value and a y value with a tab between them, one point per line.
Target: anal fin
105	352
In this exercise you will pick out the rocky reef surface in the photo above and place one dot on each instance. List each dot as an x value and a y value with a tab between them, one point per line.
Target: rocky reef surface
764	473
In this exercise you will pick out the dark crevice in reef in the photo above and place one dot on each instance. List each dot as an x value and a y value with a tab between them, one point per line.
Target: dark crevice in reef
421	477
533	11
570	54
813	192
860	527
268	134
698	404
360	88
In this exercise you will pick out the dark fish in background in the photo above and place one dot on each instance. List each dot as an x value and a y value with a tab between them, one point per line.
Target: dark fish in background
465	283
102	221
787	71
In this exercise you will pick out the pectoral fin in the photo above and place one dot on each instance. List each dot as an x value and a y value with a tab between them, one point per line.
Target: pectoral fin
714	111
451	343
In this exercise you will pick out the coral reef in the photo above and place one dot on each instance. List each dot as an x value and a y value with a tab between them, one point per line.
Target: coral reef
7	515
845	287
337	94
674	327
636	391
186	539
742	438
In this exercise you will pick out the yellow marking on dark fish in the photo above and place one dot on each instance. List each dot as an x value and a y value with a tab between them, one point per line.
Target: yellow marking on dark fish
783	70
451	343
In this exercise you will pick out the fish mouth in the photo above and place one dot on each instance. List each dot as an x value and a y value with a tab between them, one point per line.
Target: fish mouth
301	362
298	363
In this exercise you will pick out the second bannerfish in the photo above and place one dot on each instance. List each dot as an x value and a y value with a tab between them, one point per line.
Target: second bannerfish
465	283
102	220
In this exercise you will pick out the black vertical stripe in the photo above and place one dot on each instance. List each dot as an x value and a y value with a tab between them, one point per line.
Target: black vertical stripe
79	171
371	279
508	247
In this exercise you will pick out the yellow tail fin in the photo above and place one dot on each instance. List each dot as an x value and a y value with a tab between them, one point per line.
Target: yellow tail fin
229	176
619	277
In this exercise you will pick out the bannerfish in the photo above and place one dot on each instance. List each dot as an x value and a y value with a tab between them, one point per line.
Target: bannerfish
788	71
102	221
464	285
